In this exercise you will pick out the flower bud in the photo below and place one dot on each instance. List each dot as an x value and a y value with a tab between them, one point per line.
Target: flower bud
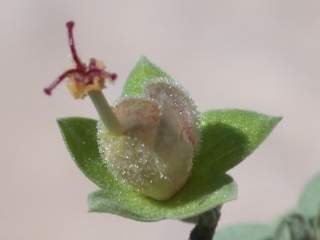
160	136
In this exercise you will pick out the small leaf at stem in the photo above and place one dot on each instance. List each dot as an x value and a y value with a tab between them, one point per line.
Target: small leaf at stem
309	202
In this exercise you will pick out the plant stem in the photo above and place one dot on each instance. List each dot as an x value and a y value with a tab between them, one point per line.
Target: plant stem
206	225
107	116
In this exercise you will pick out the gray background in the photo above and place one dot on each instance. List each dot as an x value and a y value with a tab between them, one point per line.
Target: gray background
254	54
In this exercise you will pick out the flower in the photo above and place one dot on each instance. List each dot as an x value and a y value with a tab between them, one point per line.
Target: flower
153	155
151	141
82	78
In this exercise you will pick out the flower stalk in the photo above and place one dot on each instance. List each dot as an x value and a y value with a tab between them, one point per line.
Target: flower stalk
106	114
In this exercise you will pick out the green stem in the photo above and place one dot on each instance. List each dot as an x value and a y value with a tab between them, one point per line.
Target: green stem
206	225
107	116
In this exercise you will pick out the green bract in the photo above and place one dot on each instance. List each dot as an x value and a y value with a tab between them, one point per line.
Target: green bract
227	137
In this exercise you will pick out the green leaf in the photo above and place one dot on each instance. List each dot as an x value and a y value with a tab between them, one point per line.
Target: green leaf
199	195
192	200
229	136
79	135
309	202
245	232
143	73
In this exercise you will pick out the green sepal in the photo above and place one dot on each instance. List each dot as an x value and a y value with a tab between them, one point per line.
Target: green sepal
190	201
143	73
229	136
207	188
199	195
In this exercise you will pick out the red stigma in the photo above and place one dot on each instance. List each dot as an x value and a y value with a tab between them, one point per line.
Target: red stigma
84	73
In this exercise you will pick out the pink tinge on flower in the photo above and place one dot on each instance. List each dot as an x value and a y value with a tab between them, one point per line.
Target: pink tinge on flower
155	155
181	107
139	118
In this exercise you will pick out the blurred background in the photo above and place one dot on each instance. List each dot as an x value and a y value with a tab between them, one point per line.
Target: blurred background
261	55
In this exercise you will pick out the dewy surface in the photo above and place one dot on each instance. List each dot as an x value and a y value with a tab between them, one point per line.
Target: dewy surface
161	134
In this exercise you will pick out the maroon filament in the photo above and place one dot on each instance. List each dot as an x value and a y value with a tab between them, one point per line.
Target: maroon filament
72	45
84	73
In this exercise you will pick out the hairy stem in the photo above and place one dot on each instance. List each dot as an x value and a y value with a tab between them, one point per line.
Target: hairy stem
107	116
